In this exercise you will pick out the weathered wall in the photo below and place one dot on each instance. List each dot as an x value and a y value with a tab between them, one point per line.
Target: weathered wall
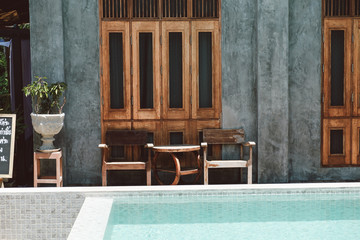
238	52
81	54
65	47
272	82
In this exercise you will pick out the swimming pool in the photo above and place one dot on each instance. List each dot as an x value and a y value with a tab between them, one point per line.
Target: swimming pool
233	215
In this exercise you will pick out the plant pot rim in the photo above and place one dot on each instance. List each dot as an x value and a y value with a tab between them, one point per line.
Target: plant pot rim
52	114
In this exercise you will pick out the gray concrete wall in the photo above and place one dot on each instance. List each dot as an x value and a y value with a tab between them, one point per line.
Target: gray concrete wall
65	47
238	52
272	95
81	61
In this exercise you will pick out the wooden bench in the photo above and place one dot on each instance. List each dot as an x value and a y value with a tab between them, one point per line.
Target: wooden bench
227	136
125	138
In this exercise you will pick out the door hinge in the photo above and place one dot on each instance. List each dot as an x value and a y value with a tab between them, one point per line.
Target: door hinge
132	101
190	40
161	69
190	99
102	100
190	70
352	97
323	68
130	40
161	100
352	67
131	70
160	40
101	71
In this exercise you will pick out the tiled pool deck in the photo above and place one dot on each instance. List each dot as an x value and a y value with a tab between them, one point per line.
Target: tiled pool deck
50	213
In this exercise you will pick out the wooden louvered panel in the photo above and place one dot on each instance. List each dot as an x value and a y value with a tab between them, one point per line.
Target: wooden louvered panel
339	8
115	9
157	9
356	5
145	9
174	8
205	8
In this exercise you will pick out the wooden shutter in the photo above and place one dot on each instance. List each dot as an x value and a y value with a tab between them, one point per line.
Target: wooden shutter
176	82
337	67
212	110
122	111
140	29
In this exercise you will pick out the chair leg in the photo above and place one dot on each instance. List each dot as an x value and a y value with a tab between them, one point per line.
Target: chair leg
104	180
206	173
249	173
148	174
241	173
250	166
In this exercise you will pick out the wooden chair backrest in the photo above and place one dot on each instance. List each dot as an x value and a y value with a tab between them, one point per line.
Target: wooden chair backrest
125	137
223	136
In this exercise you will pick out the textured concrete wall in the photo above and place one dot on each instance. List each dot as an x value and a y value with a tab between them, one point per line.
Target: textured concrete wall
81	54
238	49
46	39
272	82
65	47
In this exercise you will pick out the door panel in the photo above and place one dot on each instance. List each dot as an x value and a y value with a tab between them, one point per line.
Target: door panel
206	73
146	70
176	74
116	71
356	74
337	68
336	142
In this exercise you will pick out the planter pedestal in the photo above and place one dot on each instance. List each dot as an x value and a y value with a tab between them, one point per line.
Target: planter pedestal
58	178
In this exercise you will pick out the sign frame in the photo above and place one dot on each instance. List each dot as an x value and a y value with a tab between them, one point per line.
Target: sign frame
12	144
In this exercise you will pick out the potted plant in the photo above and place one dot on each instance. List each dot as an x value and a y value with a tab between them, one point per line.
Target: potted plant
47	117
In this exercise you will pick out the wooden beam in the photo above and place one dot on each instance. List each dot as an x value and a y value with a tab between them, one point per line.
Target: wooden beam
12	33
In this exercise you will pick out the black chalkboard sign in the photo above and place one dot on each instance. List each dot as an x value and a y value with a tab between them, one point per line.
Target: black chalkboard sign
7	142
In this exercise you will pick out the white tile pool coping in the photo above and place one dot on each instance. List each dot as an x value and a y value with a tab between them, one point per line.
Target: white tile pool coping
282	186
92	219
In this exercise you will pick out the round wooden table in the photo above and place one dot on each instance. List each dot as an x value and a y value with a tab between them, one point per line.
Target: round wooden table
172	150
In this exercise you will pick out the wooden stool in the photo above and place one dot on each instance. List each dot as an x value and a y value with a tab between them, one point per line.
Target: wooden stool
58	179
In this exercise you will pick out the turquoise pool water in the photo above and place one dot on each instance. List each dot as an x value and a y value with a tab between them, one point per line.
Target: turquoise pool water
302	215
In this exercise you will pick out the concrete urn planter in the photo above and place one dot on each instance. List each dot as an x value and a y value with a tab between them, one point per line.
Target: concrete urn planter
47	125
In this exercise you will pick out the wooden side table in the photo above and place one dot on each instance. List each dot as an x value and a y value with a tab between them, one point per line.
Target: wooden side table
58	178
172	150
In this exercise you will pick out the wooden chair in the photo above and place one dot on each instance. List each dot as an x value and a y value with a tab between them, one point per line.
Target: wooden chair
125	138
226	136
